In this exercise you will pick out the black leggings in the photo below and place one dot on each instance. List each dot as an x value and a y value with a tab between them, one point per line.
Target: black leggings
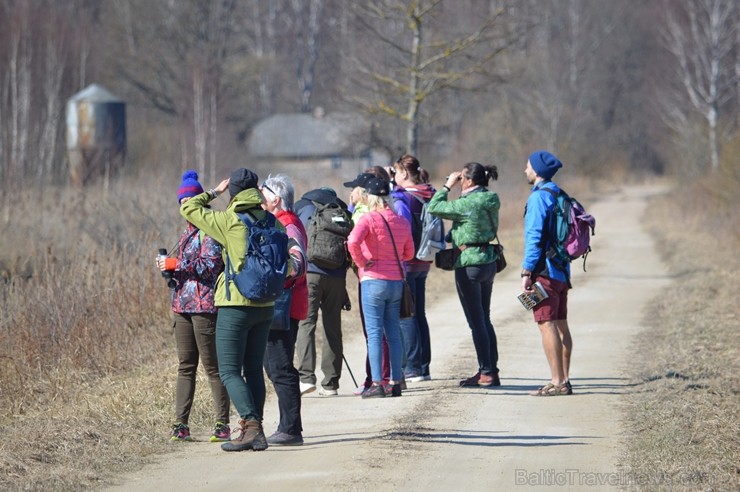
474	285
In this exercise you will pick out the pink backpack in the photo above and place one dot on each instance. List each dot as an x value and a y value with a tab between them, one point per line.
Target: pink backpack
571	229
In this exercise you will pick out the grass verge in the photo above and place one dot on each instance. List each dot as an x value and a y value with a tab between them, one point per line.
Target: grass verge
683	419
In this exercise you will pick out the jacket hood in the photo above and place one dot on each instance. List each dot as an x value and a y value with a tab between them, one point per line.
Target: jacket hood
422	190
244	200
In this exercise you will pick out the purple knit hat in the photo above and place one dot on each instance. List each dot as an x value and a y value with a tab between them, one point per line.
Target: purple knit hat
190	186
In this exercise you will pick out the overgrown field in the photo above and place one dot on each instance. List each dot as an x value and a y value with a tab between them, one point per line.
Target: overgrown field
683	418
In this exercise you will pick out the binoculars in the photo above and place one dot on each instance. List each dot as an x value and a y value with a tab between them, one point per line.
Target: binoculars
167	274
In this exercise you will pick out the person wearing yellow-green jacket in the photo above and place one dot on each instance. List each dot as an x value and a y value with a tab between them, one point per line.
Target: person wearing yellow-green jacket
242	325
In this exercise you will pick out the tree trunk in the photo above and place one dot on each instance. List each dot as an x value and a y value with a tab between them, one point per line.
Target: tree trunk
412	112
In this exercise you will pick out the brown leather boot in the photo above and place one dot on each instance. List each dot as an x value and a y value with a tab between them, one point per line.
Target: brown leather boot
251	436
256	435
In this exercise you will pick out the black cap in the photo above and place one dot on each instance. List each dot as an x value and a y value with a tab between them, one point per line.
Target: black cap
360	180
377	186
242	179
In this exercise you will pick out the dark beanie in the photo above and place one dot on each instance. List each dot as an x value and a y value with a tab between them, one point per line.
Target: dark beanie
544	164
242	179
189	187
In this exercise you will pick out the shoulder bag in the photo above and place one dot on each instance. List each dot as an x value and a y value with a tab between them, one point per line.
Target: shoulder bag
408	306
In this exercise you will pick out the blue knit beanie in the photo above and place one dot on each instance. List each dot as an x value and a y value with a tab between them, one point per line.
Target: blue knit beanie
544	164
190	186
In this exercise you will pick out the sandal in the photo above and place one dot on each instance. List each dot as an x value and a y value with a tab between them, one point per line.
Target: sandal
552	390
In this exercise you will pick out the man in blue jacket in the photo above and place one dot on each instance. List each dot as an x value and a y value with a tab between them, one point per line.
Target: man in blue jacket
551	315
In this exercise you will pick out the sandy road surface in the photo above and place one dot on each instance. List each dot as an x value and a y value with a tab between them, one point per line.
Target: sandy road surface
442	437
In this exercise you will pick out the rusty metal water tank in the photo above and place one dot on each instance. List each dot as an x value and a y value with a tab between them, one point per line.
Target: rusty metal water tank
96	135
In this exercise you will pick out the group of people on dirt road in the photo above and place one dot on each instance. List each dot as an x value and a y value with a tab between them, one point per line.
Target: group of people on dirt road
239	339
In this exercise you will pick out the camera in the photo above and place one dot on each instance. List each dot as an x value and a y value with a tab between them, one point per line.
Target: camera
167	274
531	299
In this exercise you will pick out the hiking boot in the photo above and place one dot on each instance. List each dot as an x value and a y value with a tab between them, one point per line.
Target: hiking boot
221	433
180	432
486	380
249	436
471	381
481	380
283	439
374	391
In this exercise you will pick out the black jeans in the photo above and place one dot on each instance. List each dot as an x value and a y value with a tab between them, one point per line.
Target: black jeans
284	376
474	285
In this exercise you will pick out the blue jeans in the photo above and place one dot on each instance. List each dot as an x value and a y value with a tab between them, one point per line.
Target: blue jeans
474	286
381	306
241	338
416	330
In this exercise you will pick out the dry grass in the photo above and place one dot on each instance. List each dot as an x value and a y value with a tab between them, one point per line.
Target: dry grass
88	366
684	417
87	357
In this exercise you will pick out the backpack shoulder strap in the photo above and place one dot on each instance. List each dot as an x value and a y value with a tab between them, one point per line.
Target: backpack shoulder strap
549	190
414	195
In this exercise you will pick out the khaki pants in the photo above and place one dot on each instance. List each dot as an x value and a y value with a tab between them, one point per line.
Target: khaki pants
327	294
195	336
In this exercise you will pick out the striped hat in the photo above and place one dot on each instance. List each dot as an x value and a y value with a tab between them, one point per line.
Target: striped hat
189	186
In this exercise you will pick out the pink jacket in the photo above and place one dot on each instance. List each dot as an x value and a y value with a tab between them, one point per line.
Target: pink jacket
370	240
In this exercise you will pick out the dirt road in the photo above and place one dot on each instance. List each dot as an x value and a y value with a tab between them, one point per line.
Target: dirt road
442	437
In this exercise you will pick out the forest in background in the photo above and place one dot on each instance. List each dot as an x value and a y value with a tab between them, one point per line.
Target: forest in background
643	86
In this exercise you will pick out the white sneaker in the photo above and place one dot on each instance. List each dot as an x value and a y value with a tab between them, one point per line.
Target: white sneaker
415	379
307	388
327	392
427	378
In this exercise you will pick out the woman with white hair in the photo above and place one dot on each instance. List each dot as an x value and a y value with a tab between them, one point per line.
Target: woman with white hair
291	307
379	244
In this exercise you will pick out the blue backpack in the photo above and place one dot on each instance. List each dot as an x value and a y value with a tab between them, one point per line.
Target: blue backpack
262	277
427	230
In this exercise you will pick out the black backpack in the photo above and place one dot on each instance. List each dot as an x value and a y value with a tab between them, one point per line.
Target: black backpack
327	232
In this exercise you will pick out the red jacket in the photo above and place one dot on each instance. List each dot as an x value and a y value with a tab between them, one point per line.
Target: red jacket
295	230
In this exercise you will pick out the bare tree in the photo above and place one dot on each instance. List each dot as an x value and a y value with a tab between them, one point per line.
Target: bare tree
701	35
418	60
21	54
179	58
55	64
307	53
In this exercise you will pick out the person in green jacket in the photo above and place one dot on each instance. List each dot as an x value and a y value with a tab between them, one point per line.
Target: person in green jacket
474	219
242	326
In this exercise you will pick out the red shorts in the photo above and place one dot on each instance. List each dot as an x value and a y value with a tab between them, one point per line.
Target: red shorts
555	307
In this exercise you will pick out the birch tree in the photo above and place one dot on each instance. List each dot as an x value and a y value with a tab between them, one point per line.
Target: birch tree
418	60
701	35
178	58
